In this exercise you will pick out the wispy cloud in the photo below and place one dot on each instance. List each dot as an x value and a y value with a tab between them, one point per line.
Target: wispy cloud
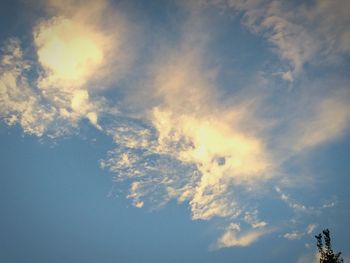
233	237
330	119
294	235
300	33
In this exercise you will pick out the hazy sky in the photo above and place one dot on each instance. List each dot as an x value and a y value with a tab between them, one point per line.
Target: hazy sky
173	131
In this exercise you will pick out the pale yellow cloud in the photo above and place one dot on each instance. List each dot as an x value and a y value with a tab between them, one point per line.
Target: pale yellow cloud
74	44
193	127
72	50
18	102
204	148
198	150
222	153
75	50
233	238
69	51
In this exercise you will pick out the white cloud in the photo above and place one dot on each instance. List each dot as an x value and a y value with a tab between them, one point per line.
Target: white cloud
298	207
293	235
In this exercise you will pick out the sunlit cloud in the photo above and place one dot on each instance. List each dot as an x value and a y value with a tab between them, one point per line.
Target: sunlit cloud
74	50
186	140
196	150
19	103
74	64
233	238
68	51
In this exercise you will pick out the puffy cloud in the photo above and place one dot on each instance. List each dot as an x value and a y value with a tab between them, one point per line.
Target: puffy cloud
69	51
74	63
74	51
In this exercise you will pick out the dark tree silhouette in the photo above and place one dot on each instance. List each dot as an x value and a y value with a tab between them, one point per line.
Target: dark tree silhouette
325	249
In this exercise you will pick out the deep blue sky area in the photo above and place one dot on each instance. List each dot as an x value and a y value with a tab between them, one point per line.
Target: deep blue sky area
64	211
173	131
68	210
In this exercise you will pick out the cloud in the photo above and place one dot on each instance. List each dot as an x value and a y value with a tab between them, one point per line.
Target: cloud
19	103
313	116
74	52
195	130
315	33
181	137
310	228
233	238
330	119
298	207
73	65
68	50
295	235
190	146
251	218
195	146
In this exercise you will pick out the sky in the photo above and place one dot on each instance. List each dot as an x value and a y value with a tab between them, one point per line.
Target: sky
173	131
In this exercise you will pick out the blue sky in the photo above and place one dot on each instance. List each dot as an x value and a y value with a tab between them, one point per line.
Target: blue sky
173	131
